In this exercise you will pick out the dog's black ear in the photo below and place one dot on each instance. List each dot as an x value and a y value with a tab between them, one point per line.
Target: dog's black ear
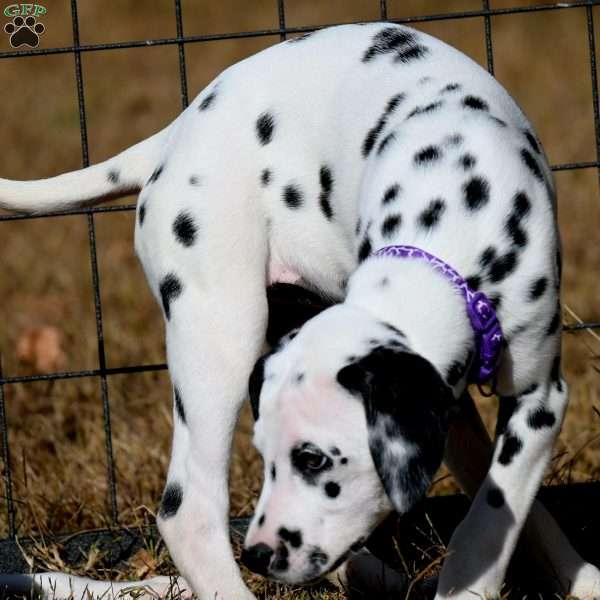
406	403
255	383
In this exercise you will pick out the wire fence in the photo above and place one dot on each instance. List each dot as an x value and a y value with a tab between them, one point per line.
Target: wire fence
102	372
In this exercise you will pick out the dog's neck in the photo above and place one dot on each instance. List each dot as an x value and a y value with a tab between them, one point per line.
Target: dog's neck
424	304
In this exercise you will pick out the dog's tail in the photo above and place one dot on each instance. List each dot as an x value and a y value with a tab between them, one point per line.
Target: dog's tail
118	176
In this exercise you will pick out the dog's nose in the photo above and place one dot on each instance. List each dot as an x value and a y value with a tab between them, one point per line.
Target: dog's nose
257	558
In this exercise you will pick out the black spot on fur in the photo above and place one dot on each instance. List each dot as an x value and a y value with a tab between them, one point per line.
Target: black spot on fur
430	217
170	289
451	87
273	472
142	214
156	174
555	373
390	194
365	249
385	142
261	520
399	42
292	196
532	141
344	460
411	53
374	133
179	405
422	110
332	489
326	181
292	537
476	193
335	451
502	267
265	125
474	281
384	282
506	408
255	383
495	497
538	287
554	324
427	155
540	418
454	140
522	205
475	103
531	163
467	161
487	256
113	176
185	229
171	500
511	446
530	390
390	225
194	180
514	231
498	121
208	101
265	177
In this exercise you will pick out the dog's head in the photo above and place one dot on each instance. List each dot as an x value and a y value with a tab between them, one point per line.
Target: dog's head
351	424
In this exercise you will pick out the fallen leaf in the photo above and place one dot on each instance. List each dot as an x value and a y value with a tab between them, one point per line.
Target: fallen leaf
41	347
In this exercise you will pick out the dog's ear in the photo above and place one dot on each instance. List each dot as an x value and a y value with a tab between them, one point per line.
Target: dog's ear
255	383
257	376
406	404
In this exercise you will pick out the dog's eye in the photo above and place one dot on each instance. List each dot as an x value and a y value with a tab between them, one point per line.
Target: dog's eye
308	460
311	461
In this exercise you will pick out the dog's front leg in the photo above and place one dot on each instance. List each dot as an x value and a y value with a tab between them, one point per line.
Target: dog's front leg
482	545
549	553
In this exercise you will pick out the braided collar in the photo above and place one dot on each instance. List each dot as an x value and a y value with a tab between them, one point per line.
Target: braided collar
483	318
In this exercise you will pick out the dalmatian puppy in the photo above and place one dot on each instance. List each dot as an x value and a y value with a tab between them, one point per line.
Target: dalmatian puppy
298	165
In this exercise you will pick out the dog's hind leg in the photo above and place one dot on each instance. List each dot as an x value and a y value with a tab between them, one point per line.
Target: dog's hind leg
205	254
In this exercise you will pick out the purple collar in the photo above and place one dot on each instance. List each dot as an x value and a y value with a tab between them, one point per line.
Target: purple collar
488	333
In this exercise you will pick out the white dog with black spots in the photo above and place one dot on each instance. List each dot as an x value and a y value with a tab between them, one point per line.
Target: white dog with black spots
297	165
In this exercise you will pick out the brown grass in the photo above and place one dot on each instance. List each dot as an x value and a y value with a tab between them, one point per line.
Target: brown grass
55	428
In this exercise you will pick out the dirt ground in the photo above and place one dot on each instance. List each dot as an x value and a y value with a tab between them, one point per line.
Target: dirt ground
46	310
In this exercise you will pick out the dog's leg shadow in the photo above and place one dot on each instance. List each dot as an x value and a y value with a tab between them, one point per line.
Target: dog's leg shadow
364	576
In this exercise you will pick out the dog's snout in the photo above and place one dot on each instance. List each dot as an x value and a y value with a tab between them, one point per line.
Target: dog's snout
257	558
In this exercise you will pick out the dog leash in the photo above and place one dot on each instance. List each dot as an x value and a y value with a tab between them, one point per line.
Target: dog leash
489	339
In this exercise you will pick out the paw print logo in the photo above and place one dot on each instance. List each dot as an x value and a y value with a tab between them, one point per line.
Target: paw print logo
24	32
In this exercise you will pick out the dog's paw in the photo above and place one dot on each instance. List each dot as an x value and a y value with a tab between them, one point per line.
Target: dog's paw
586	583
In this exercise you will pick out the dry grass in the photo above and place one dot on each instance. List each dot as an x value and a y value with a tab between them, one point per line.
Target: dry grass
55	428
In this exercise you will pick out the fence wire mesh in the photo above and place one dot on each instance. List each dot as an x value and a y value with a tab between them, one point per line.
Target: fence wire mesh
102	372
